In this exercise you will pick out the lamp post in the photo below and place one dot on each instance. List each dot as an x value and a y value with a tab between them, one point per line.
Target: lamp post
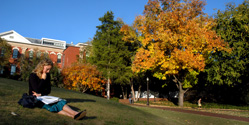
147	91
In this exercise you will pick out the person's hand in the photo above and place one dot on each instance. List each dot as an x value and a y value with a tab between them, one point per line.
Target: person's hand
36	94
44	75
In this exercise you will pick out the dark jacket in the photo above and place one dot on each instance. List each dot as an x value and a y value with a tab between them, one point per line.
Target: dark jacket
39	86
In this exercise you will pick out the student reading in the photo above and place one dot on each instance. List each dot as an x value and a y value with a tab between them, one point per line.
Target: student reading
39	85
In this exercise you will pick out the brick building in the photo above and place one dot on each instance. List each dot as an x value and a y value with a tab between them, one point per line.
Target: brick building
57	50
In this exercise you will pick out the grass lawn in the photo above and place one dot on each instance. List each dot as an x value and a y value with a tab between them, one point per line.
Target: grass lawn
241	111
99	110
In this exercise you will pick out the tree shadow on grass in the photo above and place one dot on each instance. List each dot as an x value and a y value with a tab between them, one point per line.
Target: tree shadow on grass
89	117
74	108
70	100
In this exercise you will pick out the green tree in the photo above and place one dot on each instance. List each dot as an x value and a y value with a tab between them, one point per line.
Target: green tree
5	53
27	64
231	69
56	77
109	52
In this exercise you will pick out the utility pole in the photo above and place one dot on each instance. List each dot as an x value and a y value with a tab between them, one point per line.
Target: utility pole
148	91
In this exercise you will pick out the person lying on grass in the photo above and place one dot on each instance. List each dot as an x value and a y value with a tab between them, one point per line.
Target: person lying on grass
39	85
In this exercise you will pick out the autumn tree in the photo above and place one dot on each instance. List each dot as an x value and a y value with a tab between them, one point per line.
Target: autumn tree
109	52
82	77
5	53
231	69
176	39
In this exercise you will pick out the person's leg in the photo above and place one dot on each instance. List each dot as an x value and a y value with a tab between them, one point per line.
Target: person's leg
65	113
67	109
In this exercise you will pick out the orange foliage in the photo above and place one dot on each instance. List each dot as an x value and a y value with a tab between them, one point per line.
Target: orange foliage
82	77
174	35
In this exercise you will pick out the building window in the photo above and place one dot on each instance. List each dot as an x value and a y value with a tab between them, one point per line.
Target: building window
13	69
59	58
2	52
48	43
30	54
38	54
15	53
1	70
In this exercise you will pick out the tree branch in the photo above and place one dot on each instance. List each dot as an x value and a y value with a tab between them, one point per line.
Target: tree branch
176	80
186	90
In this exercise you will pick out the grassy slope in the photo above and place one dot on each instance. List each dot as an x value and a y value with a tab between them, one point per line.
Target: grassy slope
100	110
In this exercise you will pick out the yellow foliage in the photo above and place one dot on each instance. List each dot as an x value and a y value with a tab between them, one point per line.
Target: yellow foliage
173	38
82	77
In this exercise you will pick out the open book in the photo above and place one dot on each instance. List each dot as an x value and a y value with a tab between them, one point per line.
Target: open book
48	99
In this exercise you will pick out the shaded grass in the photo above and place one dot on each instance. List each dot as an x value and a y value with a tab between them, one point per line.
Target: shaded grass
204	105
99	110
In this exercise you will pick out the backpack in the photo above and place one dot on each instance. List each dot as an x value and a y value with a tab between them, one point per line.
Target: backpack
27	101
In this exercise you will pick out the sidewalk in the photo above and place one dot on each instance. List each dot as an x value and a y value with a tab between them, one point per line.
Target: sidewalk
193	112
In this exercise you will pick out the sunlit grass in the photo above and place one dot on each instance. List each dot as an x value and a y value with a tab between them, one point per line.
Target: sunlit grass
99	110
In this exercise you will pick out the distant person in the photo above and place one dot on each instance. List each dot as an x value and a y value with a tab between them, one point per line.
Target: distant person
199	103
130	99
39	85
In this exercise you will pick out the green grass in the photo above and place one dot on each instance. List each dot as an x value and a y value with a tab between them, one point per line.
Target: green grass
204	105
99	110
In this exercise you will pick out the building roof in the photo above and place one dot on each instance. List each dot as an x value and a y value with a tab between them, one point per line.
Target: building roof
15	37
32	40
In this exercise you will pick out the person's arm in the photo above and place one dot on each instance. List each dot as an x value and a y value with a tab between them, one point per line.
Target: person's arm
47	85
36	84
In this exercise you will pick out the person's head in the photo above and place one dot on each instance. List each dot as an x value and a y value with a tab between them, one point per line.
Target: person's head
43	67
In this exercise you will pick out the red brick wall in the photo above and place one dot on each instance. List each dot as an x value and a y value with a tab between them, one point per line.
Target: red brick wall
52	56
70	55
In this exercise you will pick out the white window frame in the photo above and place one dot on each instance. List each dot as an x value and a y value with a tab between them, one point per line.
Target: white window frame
59	60
15	53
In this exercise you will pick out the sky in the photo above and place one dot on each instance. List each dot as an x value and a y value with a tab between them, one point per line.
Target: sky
73	21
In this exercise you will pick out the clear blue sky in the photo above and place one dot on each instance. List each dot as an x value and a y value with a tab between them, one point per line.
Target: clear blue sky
73	20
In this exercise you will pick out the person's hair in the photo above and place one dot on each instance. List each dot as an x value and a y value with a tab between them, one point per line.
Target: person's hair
40	66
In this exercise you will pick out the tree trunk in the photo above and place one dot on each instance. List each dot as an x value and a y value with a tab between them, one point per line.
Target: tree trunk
181	92
124	92
108	84
122	88
180	98
132	90
138	93
108	88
